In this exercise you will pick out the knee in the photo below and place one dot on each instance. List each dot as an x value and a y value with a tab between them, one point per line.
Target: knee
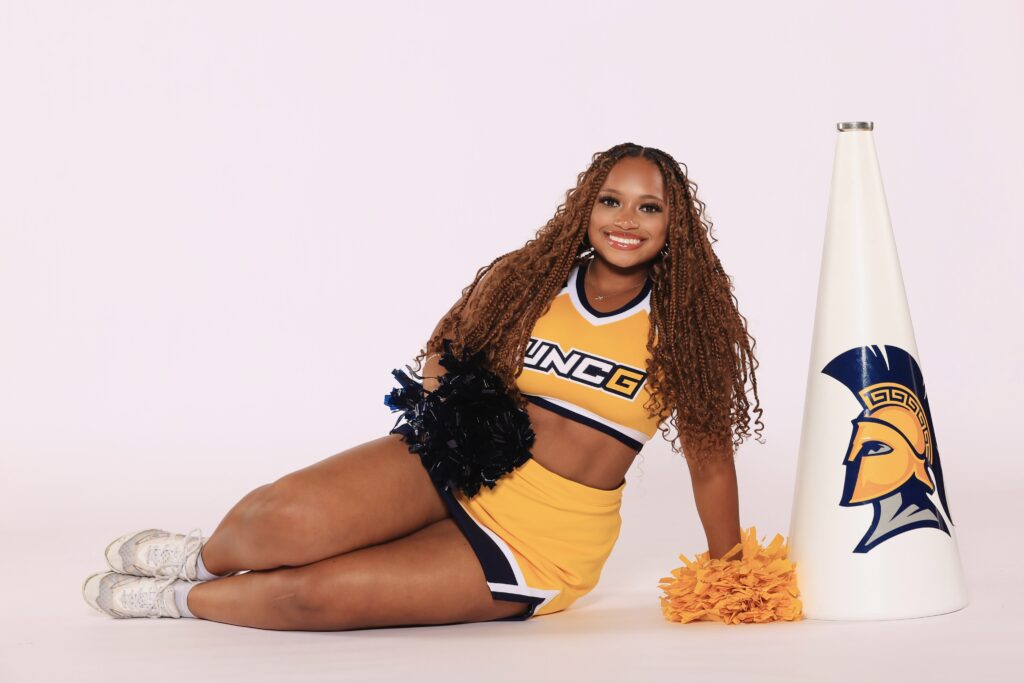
278	510
324	602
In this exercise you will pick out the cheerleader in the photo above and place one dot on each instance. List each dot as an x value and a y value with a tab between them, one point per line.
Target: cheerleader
497	495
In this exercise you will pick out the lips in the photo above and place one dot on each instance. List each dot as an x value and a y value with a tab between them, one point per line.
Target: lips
624	235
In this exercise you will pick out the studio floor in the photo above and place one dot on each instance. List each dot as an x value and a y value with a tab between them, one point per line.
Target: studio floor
47	633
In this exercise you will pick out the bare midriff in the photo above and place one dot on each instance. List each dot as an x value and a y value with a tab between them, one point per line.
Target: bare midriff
578	452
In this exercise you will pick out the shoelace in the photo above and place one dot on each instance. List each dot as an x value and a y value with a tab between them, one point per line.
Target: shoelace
171	570
146	599
173	561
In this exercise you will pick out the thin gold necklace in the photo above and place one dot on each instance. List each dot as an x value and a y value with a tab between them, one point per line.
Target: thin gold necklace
602	297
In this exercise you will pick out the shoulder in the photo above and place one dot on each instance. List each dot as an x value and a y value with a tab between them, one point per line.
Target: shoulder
476	295
494	273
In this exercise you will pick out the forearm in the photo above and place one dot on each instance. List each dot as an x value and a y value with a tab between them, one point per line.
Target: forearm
432	369
432	372
717	497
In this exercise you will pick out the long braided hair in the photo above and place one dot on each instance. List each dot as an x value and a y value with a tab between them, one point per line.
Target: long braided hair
704	356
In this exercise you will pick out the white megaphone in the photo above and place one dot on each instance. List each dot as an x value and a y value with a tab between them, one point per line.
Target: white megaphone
871	530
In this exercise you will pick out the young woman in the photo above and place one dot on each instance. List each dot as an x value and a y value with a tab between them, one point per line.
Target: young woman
615	321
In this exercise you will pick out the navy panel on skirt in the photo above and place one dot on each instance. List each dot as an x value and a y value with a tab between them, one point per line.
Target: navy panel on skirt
493	561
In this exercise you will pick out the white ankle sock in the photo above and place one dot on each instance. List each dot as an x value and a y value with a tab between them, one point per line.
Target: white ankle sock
181	590
204	574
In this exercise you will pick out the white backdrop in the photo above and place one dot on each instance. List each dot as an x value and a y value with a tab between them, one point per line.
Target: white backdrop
223	223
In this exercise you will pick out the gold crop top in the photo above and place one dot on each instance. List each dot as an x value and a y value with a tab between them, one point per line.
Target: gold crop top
590	366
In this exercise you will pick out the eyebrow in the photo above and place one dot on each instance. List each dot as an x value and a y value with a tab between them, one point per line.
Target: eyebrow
608	189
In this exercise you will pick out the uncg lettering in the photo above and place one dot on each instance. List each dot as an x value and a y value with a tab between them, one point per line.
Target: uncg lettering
584	368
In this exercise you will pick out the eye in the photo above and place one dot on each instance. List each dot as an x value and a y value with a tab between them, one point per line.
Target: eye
875	448
607	198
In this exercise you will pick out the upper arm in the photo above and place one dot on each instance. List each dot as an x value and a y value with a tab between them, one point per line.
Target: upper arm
711	469
432	368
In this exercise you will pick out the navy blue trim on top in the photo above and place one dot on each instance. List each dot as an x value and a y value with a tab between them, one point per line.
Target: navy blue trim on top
581	292
582	419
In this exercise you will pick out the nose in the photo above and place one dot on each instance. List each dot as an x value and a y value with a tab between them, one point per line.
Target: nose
630	222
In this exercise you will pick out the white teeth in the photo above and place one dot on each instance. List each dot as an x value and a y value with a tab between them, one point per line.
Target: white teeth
623	240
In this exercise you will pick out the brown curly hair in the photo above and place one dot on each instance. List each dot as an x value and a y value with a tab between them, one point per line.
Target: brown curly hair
704	357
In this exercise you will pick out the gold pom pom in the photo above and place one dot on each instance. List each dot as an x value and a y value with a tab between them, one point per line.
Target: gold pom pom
758	588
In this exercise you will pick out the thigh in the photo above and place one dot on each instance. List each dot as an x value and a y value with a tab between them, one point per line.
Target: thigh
429	577
372	493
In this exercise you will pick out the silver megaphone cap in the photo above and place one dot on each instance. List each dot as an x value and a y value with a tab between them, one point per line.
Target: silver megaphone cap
855	125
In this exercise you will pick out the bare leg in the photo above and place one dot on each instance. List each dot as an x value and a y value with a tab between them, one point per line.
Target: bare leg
431	576
372	493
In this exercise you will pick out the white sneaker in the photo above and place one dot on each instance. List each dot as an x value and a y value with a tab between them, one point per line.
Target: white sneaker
123	596
156	553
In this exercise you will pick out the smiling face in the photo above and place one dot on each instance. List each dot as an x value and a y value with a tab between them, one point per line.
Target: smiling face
629	221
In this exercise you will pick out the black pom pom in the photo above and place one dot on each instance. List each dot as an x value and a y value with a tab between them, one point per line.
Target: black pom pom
468	432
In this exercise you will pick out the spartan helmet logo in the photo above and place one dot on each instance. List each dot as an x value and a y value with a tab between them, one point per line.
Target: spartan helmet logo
892	461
